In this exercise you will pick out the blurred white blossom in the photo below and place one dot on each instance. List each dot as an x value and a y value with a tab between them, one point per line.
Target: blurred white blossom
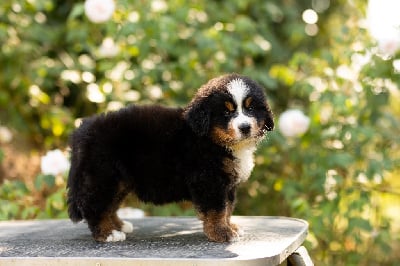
94	94
71	75
99	11
384	24
54	163
362	178
396	66
389	46
293	123
159	6
5	135
347	73
108	48
330	184
130	213
310	16
155	92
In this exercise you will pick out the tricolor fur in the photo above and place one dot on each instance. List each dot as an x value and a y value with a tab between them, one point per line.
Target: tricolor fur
198	153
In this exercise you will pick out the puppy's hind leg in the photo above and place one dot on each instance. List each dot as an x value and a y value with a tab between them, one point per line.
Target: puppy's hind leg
123	226
106	226
120	228
105	230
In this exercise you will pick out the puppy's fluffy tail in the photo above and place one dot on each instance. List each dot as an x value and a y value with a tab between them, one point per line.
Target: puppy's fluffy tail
74	214
75	177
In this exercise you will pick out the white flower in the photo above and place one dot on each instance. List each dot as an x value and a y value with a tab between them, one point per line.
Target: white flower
94	94
155	92
130	213
389	46
396	66
362	178
159	6
293	123
384	24
54	163
330	184
347	73
108	48
99	11
5	135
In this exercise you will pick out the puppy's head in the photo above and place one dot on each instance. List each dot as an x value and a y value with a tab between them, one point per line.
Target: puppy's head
230	109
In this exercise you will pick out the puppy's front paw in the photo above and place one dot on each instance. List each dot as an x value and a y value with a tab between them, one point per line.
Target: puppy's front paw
239	231
116	236
126	227
221	233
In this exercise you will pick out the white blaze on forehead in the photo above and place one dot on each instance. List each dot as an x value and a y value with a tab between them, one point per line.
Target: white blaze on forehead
238	89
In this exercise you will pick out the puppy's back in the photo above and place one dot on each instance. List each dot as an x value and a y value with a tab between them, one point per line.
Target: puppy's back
124	139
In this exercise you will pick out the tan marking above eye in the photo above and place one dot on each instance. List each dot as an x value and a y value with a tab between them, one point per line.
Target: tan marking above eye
247	102
229	106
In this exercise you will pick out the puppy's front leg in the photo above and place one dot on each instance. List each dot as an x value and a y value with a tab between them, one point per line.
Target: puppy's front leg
234	227
229	208
216	226
214	204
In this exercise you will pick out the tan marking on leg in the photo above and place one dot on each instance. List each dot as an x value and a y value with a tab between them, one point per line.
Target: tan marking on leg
200	215
119	197
104	228
109	221
216	227
229	210
116	221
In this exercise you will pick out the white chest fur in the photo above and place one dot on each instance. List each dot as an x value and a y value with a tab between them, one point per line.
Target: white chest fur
244	158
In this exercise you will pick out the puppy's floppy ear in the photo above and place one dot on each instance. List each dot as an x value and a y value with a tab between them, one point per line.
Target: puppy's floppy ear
198	117
269	119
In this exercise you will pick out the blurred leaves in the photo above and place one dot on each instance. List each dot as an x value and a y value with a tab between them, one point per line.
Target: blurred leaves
11	194
183	45
43	181
17	201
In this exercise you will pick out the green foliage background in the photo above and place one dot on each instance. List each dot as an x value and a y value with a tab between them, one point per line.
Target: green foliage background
333	176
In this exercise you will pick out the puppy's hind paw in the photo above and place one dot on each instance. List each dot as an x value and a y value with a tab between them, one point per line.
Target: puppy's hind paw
116	236
127	227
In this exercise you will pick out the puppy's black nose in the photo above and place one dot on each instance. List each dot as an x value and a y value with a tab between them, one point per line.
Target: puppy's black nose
245	128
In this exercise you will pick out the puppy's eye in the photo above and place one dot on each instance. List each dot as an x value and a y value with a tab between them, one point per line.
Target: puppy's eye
229	107
247	103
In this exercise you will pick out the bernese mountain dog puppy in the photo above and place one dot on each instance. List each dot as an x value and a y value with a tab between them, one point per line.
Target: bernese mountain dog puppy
198	153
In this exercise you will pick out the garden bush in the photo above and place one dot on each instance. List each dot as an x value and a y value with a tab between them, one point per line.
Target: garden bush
58	64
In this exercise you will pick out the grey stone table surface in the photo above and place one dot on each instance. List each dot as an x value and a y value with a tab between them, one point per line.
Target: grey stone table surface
154	241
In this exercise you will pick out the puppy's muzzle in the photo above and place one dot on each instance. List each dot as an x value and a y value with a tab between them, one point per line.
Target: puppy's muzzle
245	129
